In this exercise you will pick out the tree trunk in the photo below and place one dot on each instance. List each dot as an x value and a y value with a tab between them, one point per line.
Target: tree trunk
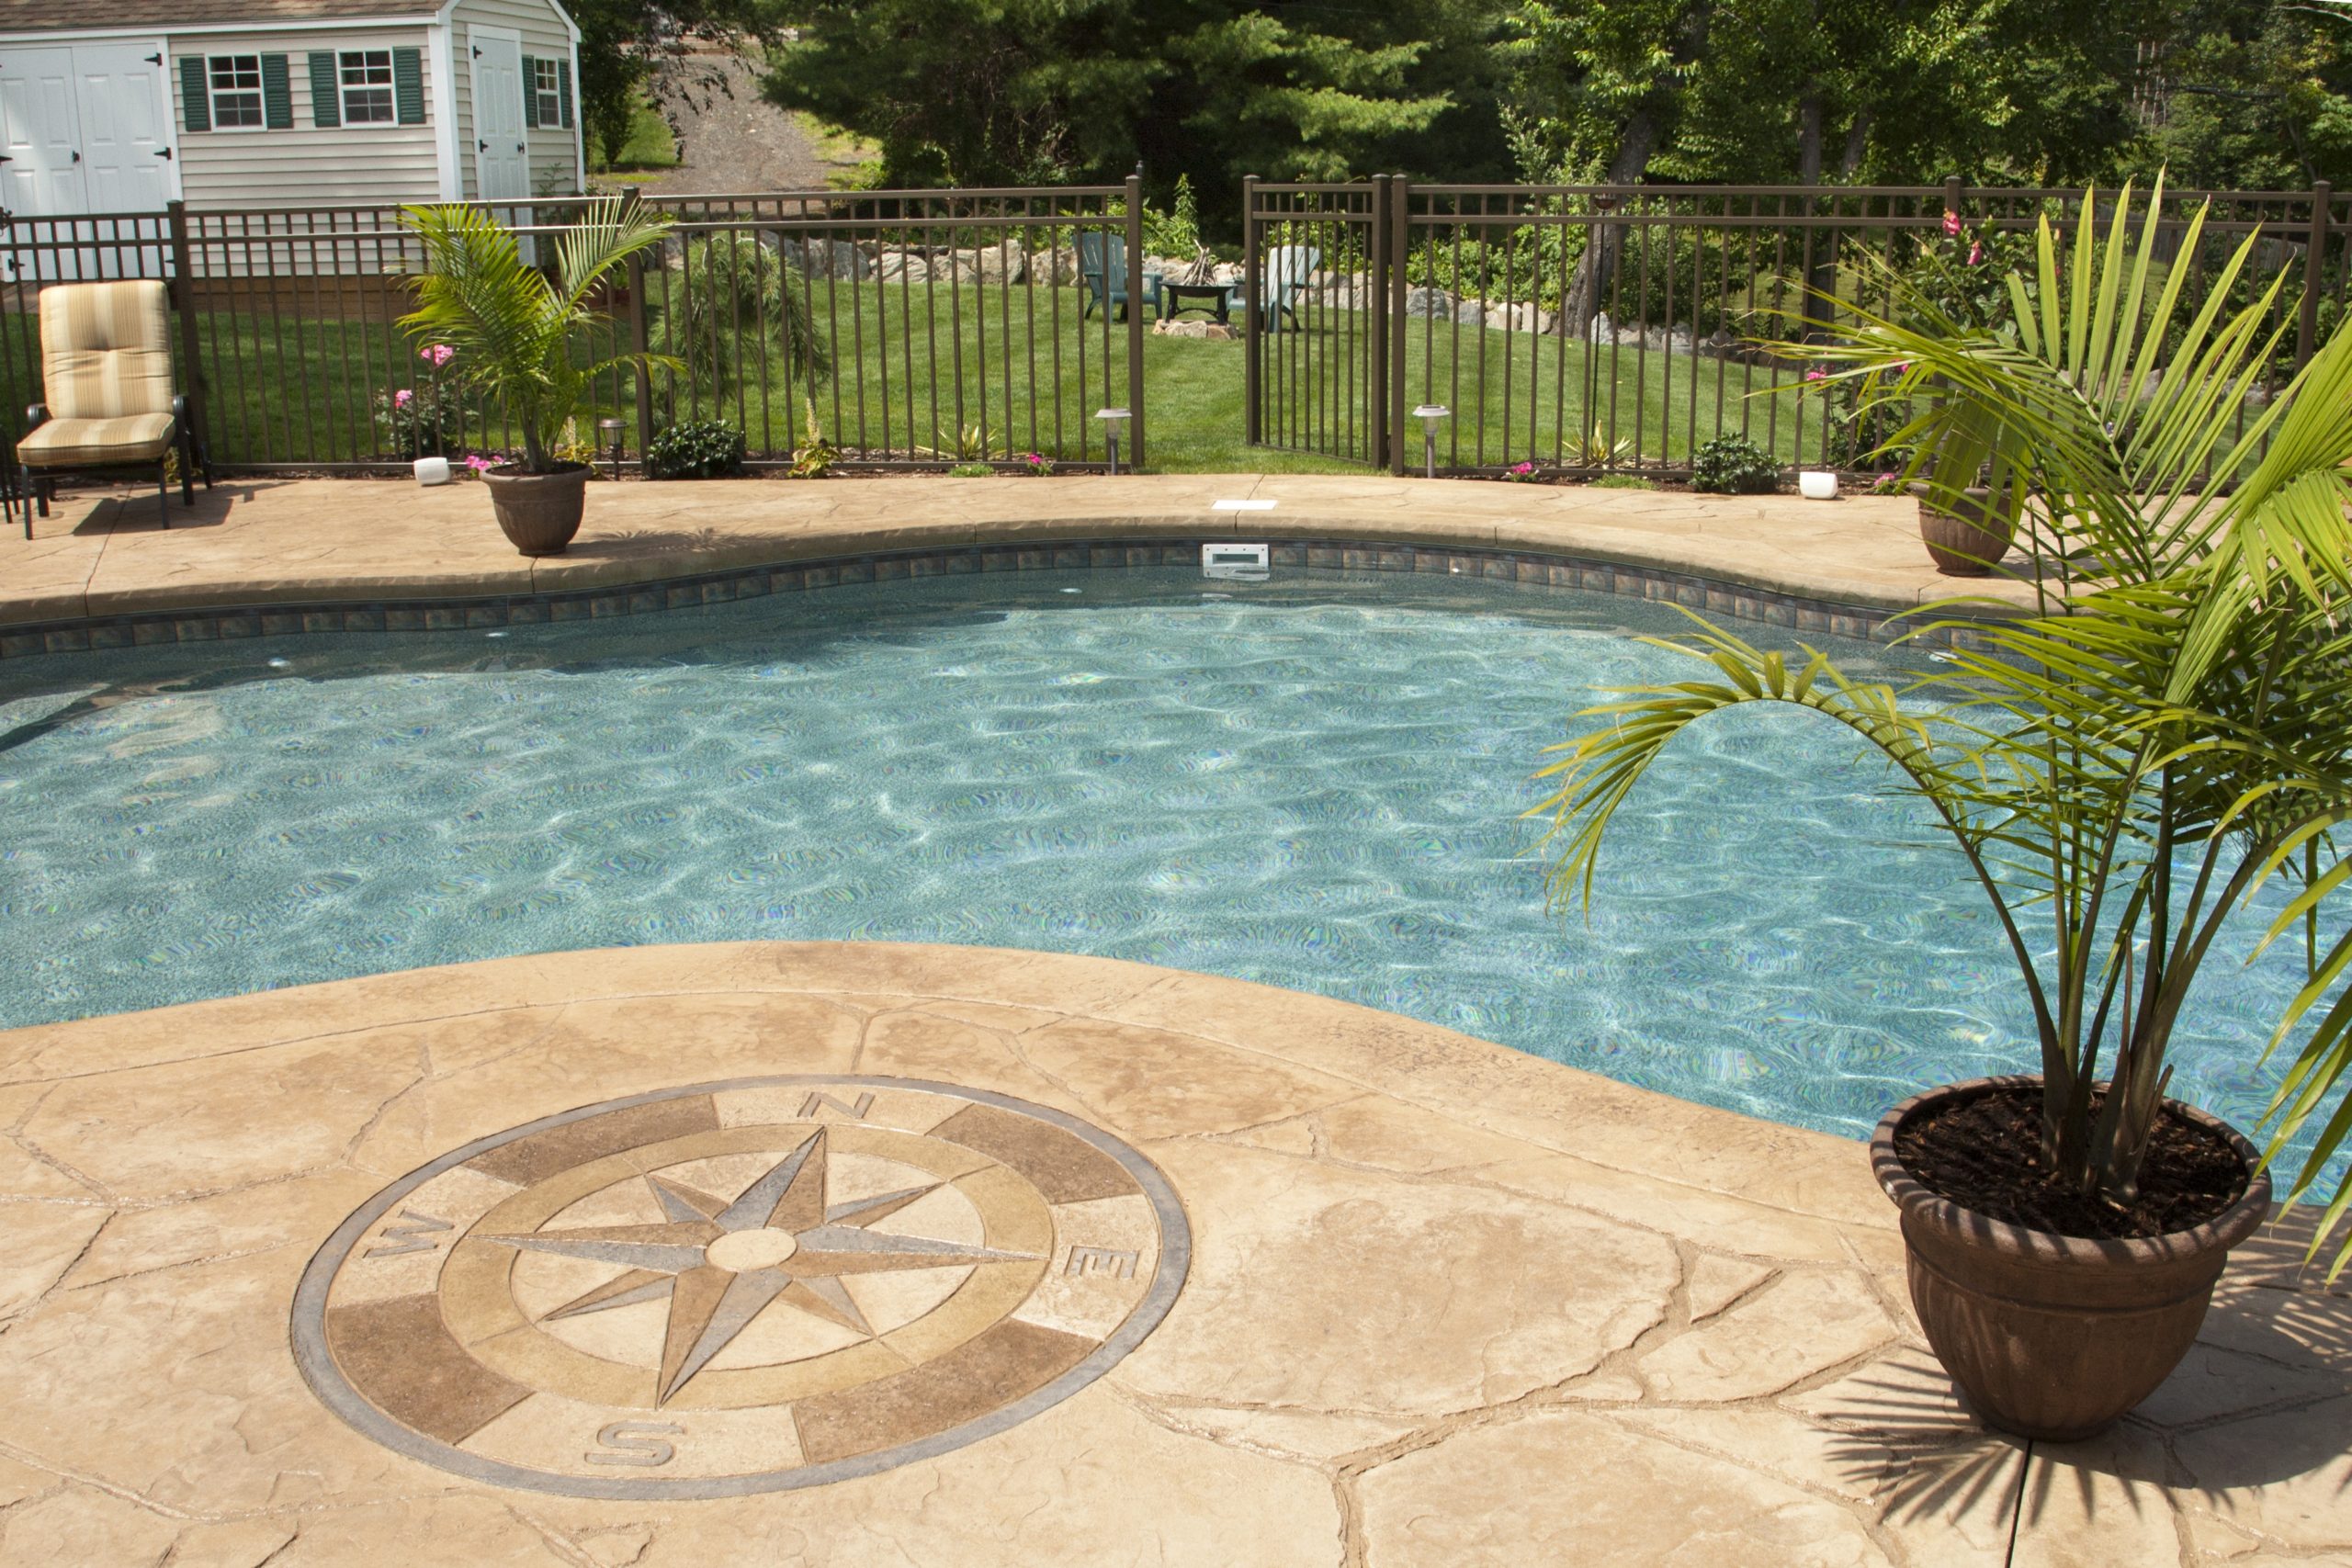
1597	266
1809	135
1858	136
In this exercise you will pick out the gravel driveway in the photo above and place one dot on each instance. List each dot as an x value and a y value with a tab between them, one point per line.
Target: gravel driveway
729	138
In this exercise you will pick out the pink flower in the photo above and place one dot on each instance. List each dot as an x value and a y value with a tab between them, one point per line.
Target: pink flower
436	353
1816	375
1902	367
1951	224
1975	253
400	398
1886	479
481	462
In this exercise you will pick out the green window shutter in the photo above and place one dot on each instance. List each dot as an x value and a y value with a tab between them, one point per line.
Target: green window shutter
530	93
277	95
563	87
326	100
195	101
408	86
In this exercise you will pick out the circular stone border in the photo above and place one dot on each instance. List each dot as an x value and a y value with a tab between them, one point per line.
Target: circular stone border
307	1320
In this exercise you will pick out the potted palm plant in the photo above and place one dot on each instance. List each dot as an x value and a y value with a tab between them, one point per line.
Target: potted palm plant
517	333
2123	769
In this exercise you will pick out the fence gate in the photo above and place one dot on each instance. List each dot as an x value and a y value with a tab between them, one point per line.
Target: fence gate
1315	271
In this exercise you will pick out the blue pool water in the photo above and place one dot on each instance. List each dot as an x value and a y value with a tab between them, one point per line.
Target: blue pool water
1314	782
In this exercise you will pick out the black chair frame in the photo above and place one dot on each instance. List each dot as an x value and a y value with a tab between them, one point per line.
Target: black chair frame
36	484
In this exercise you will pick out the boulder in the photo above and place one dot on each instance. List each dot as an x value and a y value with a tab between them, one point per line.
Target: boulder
826	258
895	264
1435	304
1195	329
1001	262
1056	263
1527	318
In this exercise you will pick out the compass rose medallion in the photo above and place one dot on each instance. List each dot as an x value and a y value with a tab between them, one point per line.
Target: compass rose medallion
740	1287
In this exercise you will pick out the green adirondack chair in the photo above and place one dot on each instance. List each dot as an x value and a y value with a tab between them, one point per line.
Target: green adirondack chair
1288	268
1102	268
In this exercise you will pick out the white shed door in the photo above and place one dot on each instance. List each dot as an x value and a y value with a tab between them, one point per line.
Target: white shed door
37	129
502	154
126	143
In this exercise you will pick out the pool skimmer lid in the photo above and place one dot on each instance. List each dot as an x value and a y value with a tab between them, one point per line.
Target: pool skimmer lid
740	1287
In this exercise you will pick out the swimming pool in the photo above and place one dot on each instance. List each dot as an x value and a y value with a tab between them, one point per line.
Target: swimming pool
1314	782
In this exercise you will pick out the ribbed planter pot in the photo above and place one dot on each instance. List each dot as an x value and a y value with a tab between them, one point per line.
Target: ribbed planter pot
2054	1337
540	512
1970	538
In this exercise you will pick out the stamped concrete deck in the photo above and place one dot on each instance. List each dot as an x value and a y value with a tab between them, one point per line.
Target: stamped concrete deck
1445	1305
262	542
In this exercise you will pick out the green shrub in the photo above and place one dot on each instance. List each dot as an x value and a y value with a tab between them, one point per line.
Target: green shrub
970	471
1623	481
695	449
1176	233
1733	465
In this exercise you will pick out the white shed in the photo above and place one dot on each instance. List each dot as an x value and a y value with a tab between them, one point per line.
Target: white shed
121	106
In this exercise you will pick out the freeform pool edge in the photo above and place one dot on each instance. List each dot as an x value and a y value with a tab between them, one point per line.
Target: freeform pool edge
1567	573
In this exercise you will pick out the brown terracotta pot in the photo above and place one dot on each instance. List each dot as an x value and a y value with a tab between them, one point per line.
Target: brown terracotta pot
540	512
1969	539
2054	1337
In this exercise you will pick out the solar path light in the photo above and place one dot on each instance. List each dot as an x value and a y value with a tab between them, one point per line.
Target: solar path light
1114	422
1430	414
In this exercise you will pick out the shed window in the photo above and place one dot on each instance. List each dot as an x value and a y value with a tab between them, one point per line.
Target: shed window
366	80
236	91
547	84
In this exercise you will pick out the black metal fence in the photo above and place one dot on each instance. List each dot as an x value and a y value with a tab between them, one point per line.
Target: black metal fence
906	329
1586	330
1598	329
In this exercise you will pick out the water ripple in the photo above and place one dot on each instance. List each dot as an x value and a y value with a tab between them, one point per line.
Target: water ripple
1314	782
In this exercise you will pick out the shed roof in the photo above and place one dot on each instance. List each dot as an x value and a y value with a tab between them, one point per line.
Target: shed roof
171	15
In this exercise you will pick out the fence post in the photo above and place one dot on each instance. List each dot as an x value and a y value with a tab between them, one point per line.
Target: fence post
1376	270
637	341
1951	195
1400	243
184	295
2314	272
1135	323
1253	432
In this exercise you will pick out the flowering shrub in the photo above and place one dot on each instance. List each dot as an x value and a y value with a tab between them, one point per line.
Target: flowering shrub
1036	463
1525	473
429	421
1965	276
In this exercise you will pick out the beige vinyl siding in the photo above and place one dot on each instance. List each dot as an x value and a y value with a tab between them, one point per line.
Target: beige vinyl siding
555	165
307	165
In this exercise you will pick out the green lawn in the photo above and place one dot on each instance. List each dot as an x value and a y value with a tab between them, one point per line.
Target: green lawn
299	389
649	146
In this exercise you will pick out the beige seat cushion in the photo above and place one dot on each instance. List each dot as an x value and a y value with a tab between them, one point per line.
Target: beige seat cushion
106	350
88	442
